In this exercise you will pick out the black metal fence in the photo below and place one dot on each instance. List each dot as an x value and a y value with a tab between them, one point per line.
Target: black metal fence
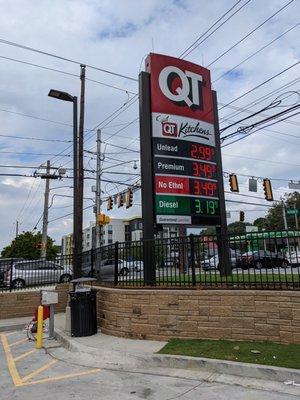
267	260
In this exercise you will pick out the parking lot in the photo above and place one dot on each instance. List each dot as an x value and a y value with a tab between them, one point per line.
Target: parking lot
27	373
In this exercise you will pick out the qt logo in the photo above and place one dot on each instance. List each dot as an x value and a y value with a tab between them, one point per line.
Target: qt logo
183	88
169	129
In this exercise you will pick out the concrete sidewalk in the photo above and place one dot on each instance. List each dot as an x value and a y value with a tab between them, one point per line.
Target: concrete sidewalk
111	352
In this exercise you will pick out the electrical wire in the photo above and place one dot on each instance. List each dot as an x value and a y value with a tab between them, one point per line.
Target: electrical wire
194	45
261	84
256	101
259	159
255	124
259	129
35	138
21	46
250	33
65	73
254	54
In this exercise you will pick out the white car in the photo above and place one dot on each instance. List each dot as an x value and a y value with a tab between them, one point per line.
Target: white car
35	272
294	258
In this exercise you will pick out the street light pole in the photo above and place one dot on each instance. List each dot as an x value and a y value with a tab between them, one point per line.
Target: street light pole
76	227
58	94
80	171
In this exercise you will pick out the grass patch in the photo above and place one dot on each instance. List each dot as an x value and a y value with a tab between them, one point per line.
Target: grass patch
279	355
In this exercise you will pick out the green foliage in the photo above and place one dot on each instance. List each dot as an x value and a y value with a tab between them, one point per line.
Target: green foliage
260	223
25	246
238	227
274	217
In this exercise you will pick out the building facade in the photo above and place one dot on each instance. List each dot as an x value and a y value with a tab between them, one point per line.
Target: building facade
118	230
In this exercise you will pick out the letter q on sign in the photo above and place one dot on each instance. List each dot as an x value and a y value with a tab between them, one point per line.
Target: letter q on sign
189	83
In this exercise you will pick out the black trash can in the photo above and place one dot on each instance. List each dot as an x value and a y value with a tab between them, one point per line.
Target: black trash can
83	312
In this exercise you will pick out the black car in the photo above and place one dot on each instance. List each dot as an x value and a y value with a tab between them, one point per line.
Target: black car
262	259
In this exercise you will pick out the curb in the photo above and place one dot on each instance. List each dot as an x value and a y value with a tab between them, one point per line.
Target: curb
221	367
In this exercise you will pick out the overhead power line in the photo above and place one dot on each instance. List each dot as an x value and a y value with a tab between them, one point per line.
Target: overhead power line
65	73
45	53
261	84
35	138
196	43
255	53
250	33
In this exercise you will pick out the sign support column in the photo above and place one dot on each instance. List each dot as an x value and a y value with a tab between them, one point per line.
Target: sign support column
222	232
147	177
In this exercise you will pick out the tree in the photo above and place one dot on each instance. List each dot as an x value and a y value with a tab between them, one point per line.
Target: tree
260	223
26	246
274	217
238	227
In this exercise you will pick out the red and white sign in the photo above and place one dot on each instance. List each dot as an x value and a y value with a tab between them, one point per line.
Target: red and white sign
179	87
172	184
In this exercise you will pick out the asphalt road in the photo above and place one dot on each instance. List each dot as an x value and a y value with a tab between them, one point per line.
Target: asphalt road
30	374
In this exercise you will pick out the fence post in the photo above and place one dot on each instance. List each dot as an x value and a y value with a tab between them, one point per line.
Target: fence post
192	246
116	263
92	263
10	276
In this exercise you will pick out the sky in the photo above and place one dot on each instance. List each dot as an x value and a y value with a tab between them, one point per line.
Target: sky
117	36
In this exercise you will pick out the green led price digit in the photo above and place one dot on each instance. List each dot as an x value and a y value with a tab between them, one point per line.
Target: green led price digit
211	206
198	208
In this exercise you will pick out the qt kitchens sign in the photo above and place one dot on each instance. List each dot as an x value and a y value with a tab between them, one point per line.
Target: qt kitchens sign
185	160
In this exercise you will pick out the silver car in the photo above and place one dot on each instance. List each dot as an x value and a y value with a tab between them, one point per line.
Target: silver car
36	272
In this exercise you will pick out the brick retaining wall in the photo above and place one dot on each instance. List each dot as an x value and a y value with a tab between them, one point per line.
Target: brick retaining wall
215	314
23	304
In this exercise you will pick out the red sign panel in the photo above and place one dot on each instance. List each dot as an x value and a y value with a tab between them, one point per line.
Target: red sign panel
172	184
179	87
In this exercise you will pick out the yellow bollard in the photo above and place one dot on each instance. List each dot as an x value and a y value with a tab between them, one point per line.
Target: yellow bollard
39	335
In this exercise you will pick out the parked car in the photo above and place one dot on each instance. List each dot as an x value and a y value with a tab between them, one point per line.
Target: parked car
105	270
212	263
4	264
36	272
263	259
294	258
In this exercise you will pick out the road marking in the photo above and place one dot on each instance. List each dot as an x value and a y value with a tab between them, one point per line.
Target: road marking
58	378
37	371
24	355
18	381
18	342
10	362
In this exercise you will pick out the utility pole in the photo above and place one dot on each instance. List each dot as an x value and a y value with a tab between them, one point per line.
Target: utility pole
284	216
45	215
79	214
98	190
296	216
17	228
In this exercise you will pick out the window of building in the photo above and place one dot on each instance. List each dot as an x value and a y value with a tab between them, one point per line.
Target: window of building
110	241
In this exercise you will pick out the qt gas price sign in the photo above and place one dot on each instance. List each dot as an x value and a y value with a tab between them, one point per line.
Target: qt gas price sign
185	162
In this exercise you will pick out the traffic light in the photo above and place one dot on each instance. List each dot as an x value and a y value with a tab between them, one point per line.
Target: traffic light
109	203
120	200
103	219
39	246
129	198
233	182
268	189
242	216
